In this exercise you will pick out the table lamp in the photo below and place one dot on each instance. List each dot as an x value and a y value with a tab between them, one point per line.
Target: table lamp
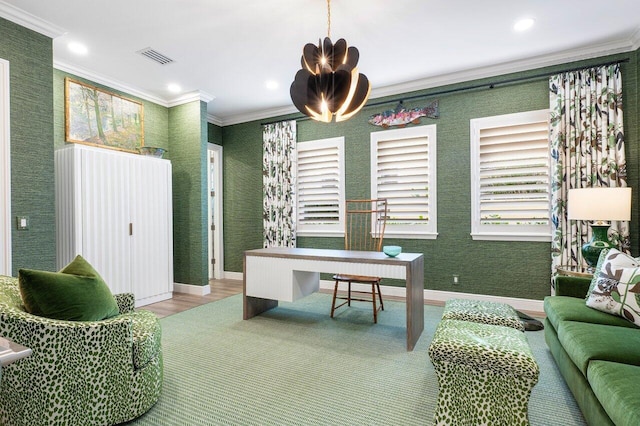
600	205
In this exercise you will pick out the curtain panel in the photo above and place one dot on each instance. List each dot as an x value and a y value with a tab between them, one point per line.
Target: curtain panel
278	184
587	150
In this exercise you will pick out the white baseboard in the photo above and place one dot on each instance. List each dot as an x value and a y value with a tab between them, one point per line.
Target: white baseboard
442	296
232	275
153	299
198	290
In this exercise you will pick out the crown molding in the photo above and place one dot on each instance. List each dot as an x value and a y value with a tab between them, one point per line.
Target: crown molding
589	52
214	120
528	64
30	21
185	98
106	81
258	115
635	40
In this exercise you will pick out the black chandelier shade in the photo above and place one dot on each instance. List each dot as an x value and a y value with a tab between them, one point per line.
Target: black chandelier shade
329	83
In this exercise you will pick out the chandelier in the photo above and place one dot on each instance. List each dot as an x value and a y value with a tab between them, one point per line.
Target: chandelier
329	83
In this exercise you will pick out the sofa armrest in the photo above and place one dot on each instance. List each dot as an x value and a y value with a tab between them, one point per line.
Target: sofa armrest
126	302
572	286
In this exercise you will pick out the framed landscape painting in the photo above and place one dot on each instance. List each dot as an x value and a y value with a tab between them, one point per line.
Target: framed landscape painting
96	117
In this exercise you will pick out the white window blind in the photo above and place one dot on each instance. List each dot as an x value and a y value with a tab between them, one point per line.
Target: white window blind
403	172
511	177
320	187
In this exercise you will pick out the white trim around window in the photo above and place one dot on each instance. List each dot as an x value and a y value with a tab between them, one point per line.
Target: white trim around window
320	187
403	170
510	177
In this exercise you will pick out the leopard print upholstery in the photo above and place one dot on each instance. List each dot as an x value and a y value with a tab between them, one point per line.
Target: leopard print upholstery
81	372
482	311
485	374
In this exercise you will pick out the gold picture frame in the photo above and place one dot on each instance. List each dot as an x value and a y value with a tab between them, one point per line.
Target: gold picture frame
94	116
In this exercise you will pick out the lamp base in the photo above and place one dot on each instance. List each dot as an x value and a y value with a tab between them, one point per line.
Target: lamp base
599	241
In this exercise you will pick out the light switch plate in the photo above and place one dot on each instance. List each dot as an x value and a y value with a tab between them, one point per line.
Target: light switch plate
22	222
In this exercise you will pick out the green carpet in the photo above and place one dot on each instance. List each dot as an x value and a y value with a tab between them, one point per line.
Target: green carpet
296	366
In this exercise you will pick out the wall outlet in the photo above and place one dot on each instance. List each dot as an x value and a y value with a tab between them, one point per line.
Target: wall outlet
456	279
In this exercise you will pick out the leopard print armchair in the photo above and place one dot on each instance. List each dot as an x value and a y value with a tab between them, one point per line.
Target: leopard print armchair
81	372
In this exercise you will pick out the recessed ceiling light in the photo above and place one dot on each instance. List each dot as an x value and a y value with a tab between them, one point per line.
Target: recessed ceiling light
174	88
523	24
77	48
272	84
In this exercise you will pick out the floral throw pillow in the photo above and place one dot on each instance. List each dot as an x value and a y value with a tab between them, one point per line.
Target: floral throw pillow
614	288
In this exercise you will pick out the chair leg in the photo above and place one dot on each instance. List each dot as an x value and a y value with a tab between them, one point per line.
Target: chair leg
380	297
349	295
373	300
333	304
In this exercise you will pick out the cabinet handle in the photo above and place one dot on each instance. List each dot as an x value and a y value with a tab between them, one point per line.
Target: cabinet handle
130	228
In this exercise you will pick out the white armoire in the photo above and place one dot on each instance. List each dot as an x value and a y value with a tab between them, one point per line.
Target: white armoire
115	209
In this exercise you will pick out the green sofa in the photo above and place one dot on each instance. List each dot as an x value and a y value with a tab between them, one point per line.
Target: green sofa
598	355
80	372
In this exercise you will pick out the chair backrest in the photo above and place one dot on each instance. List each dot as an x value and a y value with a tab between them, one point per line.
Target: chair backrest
364	224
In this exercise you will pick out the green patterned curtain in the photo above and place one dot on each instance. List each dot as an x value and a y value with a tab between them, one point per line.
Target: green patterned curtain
278	184
587	150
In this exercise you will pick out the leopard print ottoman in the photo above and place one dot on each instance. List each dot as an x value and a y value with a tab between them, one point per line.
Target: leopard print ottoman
485	374
482	311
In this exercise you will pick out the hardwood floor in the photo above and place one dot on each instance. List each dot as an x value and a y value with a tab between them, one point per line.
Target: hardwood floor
224	288
182	301
219	290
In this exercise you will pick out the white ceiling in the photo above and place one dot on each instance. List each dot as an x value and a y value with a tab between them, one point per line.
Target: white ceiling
227	50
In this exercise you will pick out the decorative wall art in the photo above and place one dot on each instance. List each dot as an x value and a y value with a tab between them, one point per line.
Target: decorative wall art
96	117
400	116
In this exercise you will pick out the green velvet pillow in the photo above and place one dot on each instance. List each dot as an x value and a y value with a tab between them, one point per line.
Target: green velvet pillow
76	293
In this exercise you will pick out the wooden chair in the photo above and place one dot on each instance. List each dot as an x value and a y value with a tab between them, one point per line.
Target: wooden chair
364	230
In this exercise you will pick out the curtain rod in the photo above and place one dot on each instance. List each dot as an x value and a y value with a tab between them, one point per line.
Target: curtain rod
471	87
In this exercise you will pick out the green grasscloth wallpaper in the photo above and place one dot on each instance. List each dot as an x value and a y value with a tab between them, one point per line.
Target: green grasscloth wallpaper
500	268
31	104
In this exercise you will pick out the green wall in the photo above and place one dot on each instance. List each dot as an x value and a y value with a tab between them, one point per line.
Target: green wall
188	144
156	117
500	268
30	57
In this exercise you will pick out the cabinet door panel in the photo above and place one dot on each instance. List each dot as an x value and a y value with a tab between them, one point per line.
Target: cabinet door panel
105	216
151	213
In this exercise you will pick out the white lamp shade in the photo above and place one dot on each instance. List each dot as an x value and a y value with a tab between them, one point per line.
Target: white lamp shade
599	204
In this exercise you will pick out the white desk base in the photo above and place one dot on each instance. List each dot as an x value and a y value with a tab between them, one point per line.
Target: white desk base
289	274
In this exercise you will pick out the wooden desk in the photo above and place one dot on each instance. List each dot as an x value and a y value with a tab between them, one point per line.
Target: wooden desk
288	274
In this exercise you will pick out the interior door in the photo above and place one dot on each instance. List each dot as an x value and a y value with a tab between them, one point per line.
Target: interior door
215	211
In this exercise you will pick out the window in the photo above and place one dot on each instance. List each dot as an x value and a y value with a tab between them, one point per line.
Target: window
510	184
320	188
403	170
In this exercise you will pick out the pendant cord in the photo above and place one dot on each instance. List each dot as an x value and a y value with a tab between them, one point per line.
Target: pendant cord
329	18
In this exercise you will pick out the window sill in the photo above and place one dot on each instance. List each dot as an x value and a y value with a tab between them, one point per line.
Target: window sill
411	235
320	234
512	237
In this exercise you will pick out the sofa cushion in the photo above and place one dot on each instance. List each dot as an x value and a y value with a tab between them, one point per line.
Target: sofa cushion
585	342
616	386
76	293
564	308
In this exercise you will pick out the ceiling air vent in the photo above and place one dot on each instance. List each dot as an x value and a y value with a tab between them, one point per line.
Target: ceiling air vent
155	56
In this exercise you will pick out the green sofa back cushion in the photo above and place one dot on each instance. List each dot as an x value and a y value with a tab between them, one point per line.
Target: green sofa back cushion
76	293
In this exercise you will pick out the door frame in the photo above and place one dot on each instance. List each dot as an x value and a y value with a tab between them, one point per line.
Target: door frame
5	171
215	250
